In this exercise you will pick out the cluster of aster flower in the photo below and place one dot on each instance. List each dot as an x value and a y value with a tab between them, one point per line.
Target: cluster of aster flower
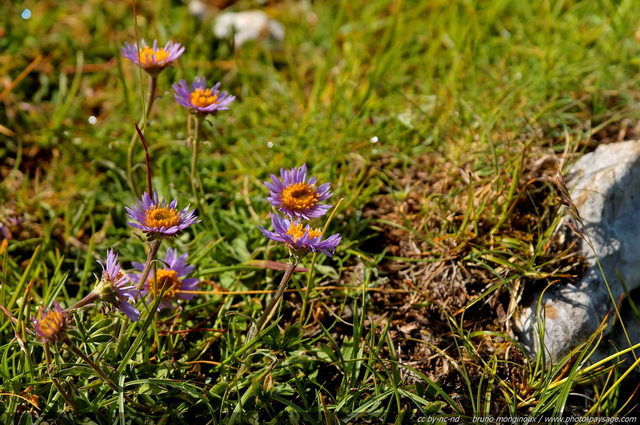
158	219
197	98
299	200
153	216
116	289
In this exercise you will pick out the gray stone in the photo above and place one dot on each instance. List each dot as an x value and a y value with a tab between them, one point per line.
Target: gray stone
605	187
246	26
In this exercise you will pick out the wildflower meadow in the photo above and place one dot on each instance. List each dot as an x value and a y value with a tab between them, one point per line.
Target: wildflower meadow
332	226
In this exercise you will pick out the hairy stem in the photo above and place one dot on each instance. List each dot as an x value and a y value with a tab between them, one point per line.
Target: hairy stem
86	300
307	293
268	312
61	390
196	184
98	370
153	251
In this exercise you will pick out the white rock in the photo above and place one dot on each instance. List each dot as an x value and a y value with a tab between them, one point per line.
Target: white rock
245	26
198	9
606	190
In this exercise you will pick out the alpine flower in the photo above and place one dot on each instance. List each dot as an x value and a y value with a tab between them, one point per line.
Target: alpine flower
159	219
51	323
300	240
113	288
296	196
169	281
152	59
200	100
6	224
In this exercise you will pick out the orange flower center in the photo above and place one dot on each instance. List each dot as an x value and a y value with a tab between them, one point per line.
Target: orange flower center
162	217
167	279
299	197
202	98
50	324
147	55
107	276
296	231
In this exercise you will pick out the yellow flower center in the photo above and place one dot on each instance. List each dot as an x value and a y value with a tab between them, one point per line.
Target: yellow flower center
50	324
167	279
147	54
162	217
296	231
203	98
299	197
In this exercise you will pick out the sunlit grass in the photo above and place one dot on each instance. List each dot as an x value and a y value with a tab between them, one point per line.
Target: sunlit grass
431	119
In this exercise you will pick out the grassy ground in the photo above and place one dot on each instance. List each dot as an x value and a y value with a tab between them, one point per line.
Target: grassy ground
440	124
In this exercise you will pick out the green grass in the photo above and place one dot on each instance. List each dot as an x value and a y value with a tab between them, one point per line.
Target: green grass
429	118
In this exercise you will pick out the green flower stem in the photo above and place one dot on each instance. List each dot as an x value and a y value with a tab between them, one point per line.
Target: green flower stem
268	312
153	84
61	390
307	293
264	318
196	184
153	251
99	371
142	332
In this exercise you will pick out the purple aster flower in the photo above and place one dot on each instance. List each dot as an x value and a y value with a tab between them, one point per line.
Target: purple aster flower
113	288
199	99
152	59
297	197
169	278
157	219
51	323
300	240
6	224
